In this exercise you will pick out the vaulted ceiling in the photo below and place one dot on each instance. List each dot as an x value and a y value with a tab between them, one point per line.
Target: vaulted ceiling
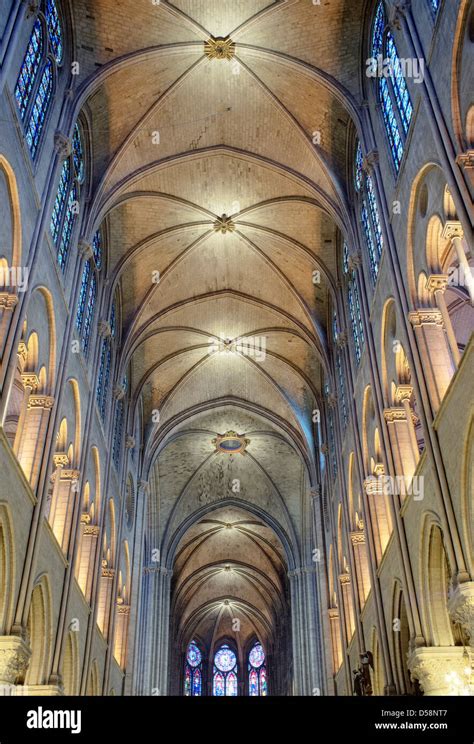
181	143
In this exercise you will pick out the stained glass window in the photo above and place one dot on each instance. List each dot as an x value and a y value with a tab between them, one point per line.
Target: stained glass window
29	69
83	296
369	214
89	313
118	431
105	365
225	681
97	248
60	201
193	671
66	205
331	434
354	305
35	84
54	30
257	671
434	6
39	109
396	104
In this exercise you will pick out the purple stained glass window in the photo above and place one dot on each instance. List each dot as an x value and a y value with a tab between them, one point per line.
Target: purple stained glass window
231	685
197	683
253	683
257	656
225	659
263	682
39	109
187	683
29	68
194	657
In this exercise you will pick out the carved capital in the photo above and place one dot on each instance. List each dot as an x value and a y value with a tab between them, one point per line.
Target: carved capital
143	485
130	442
394	414
370	161
104	329
92	529
403	392
452	229
355	260
344	578
461	608
358	537
437	282
119	392
31	7
41	401
30	380
8	301
398	10
341	340
441	670
425	316
60	459
14	658
85	249
332	400
123	609
62	144
466	159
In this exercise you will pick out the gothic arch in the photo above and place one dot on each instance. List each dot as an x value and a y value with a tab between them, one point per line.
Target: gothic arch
39	627
436	577
70	669
7	567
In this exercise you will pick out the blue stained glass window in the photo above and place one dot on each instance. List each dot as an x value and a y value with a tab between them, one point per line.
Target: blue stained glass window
400	88
358	172
113	320
78	153
117	442
97	248
29	68
374	266
331	435
54	30
60	201
374	213
354	306
39	109
342	389
391	125
434	6
377	34
103	377
83	296
89	314
68	226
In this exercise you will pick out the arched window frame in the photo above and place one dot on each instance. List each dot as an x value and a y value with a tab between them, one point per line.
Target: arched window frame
258	673
225	675
37	78
392	89
369	214
88	293
353	303
68	195
193	671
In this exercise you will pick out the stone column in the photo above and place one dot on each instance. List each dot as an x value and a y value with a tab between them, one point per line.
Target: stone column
348	609
297	642
361	563
104	601
434	350
35	428
401	430
62	505
379	511
453	231
30	384
334	624
442	670
87	551
436	284
121	633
